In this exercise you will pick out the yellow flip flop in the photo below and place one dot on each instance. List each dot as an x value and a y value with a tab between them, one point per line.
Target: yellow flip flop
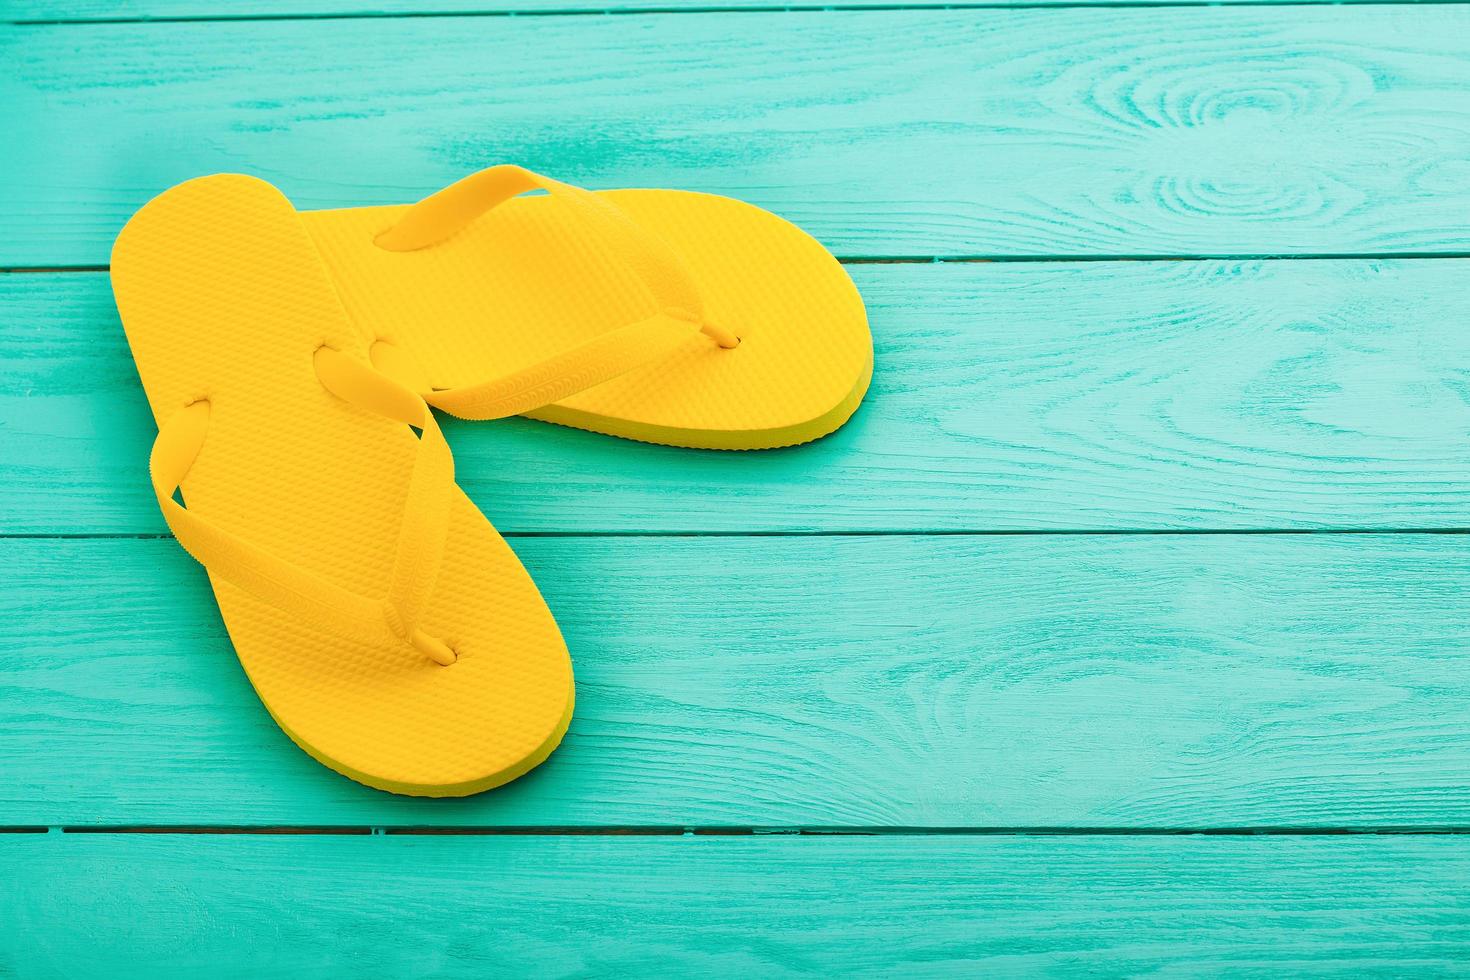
386	626
664	316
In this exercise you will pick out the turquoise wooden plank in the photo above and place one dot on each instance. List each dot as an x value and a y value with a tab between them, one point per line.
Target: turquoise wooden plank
85	11
184	906
1120	681
1172	131
1007	397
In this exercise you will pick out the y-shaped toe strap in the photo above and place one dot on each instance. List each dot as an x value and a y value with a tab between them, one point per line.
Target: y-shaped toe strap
294	590
681	310
563	375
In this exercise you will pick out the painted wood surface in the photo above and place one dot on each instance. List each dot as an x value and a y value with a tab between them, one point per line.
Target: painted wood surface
1208	394
1171	131
940	692
93	11
1119	681
89	905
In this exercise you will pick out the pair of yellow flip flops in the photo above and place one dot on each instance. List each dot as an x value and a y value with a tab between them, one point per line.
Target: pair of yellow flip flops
290	356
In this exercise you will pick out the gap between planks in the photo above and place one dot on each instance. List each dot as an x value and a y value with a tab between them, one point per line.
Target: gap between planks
749	831
637	11
25	270
844	533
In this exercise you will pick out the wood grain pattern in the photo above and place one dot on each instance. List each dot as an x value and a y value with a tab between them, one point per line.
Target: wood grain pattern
90	11
1091	395
1007	397
126	906
1180	131
1119	681
1113	685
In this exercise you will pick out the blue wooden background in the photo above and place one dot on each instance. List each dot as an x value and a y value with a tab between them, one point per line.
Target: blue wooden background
1124	630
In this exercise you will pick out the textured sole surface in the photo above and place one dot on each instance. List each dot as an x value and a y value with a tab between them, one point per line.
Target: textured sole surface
223	297
524	282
